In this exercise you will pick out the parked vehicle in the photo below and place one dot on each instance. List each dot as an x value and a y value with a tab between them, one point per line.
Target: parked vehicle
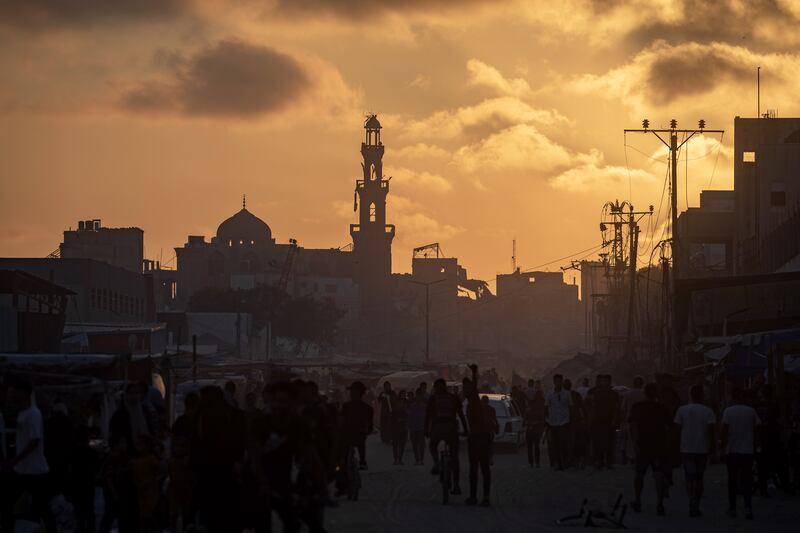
508	418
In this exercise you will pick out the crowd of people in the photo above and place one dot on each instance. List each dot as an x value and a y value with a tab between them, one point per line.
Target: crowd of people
220	466
283	453
650	427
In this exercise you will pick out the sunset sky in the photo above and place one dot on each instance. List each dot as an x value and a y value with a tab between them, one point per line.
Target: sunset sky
501	120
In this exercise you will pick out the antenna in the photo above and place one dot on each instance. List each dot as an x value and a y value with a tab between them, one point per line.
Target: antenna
758	91
513	255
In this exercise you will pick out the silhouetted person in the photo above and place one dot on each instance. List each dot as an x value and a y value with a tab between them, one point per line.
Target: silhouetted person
399	428
577	427
59	439
84	469
557	405
604	411
534	419
479	441
387	400
583	390
739	425
219	448
629	399
771	460
120	498
356	422
650	423
133	418
696	422
442	415
181	477
416	426
230	394
28	468
669	398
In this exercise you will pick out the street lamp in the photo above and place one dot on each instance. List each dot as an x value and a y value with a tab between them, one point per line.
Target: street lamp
427	285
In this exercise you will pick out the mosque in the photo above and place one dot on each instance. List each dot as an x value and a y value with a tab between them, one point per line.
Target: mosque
244	254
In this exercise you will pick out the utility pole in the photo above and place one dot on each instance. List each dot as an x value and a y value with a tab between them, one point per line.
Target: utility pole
427	285
618	214
674	146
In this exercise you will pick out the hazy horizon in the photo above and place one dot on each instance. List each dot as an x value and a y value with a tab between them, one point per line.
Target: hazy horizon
501	120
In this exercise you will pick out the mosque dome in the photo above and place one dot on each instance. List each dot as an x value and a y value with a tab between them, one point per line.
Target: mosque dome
244	228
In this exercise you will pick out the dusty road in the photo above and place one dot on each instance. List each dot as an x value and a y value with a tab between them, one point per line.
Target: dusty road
407	499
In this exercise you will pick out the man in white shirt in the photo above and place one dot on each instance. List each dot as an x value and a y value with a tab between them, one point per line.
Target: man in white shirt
29	466
697	441
557	416
739	423
583	390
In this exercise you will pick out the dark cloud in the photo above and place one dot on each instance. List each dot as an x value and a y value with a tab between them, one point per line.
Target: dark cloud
361	9
50	13
232	78
692	70
757	24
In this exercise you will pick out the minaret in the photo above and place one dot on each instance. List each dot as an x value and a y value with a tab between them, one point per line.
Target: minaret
372	236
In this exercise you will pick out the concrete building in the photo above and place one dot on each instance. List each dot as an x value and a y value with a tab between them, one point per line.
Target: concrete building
103	293
32	313
244	254
538	315
767	190
708	236
121	247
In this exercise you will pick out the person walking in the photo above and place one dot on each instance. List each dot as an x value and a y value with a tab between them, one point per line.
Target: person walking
399	428
739	425
604	412
577	428
557	406
534	427
387	400
28	468
629	399
479	441
696	422
356	423
650	423
416	426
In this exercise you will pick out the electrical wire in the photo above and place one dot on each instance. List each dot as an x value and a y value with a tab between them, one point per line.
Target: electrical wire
716	159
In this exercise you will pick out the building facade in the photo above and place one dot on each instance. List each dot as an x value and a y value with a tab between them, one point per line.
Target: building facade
121	247
708	234
767	185
103	293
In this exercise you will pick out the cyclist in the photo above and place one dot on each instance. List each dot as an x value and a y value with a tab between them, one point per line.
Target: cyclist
441	424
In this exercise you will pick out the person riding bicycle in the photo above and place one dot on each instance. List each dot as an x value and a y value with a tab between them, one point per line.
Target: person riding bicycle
441	424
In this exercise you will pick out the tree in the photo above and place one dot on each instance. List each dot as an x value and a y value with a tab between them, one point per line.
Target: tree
301	318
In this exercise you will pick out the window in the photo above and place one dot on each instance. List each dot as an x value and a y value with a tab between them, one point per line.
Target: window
777	195
372	212
330	288
748	157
